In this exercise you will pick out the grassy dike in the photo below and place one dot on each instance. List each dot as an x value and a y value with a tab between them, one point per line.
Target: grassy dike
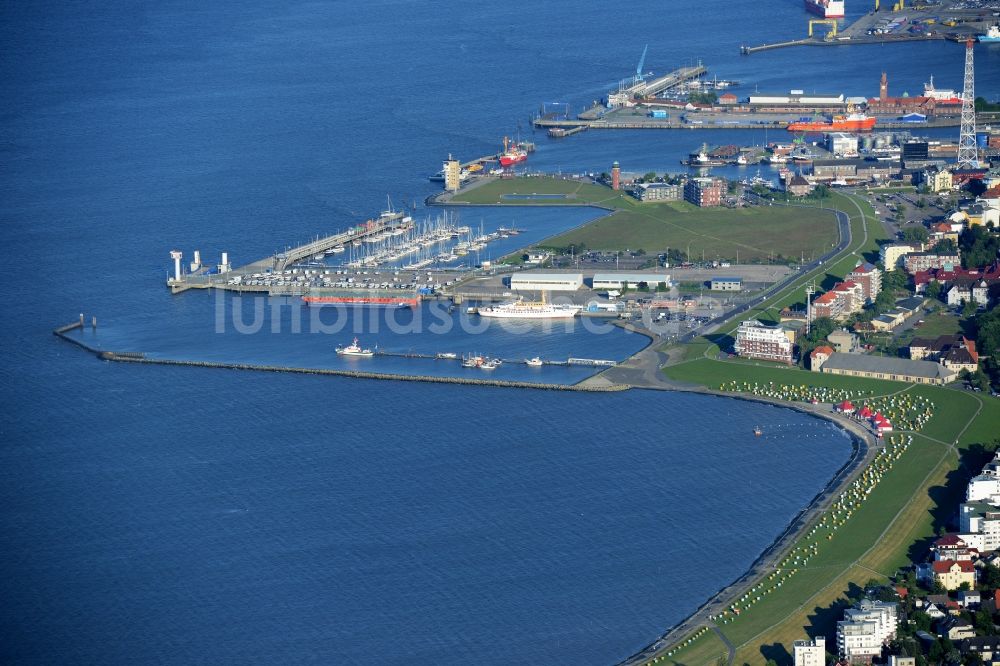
893	525
752	234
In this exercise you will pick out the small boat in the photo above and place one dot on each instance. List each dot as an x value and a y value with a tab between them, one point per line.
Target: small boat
534	362
354	349
448	355
489	364
757	431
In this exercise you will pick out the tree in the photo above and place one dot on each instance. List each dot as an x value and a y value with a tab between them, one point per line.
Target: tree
945	246
984	622
979	247
893	281
934	290
915	234
821	327
969	308
708	97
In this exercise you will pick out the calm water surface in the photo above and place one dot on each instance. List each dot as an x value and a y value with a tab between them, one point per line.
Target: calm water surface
175	516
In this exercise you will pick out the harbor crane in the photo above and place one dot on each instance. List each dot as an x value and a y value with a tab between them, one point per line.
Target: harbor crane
827	22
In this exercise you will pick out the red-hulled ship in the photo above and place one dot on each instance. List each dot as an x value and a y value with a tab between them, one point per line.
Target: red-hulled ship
512	153
393	298
852	122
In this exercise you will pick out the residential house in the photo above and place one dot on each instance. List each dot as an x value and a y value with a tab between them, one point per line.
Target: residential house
955	628
889	320
843	341
961	358
969	598
798	186
991	274
965	290
819	356
915	262
892	254
952	547
870	279
937	179
987	647
952	574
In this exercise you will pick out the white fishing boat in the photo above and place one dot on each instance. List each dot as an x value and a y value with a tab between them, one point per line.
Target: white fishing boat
354	349
535	362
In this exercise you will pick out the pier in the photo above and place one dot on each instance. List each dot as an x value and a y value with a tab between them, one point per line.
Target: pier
63	332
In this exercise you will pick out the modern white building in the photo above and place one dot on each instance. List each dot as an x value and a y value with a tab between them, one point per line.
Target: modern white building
865	629
809	653
757	340
630	280
980	524
536	281
986	486
842	144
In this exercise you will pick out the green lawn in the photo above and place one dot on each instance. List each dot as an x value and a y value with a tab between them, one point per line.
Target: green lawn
577	193
893	524
752	234
933	326
749	234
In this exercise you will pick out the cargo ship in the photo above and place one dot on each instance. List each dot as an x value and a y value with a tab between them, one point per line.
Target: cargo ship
945	96
831	9
852	122
393	298
512	153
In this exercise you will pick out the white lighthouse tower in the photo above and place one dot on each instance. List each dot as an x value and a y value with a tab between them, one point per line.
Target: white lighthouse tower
177	255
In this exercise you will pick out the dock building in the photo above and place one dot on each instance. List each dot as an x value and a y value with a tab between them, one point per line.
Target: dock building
726	284
630	280
538	281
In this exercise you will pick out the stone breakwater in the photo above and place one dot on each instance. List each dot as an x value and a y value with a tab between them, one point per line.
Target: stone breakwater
139	357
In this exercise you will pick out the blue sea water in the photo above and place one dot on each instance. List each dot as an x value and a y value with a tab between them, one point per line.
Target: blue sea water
169	515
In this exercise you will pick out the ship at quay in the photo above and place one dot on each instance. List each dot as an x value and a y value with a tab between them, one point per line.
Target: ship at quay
828	9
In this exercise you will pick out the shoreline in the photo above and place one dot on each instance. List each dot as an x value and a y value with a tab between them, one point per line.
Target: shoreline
863	445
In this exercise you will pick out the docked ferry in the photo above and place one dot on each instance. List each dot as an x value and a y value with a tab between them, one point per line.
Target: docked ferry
529	310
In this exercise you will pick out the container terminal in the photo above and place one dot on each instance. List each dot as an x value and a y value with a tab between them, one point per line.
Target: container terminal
778	110
895	21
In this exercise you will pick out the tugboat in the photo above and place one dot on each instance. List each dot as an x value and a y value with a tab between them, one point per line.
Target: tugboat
757	432
354	349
